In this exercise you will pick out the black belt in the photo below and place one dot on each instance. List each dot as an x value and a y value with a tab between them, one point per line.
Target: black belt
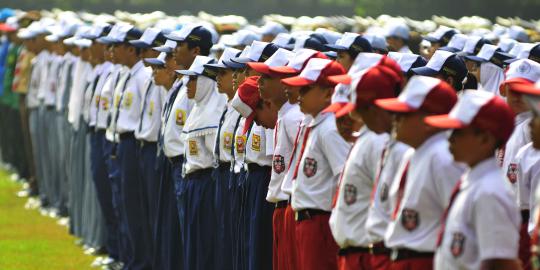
351	250
255	166
379	249
525	214
199	173
175	160
142	143
126	135
282	204
50	107
307	214
225	166
100	131
404	254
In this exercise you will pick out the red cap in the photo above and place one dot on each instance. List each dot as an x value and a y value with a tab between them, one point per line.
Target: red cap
422	93
4	27
375	61
316	71
523	71
479	109
246	99
527	88
374	83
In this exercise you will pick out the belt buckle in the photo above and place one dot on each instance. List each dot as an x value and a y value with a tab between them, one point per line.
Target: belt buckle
394	254
296	216
370	247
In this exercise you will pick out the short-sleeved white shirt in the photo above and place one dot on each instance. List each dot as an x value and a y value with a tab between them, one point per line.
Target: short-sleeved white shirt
129	110
287	185
519	138
259	146
173	123
152	102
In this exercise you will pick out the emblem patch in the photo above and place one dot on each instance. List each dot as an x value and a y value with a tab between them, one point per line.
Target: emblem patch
227	140
104	103
383	195
278	163
180	117
456	247
349	194
410	219
310	167
256	143
240	144
128	100
151	108
193	150
97	101
511	173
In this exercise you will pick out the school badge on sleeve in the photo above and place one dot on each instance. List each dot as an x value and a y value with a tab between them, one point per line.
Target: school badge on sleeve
151	108
240	144
256	143
349	194
310	167
227	140
193	150
104	103
410	219
128	100
278	163
511	173
456	247
180	117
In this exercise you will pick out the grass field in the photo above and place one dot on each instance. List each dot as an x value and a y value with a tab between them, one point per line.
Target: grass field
29	241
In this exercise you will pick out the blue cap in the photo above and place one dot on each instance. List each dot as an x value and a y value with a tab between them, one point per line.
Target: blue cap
443	61
259	52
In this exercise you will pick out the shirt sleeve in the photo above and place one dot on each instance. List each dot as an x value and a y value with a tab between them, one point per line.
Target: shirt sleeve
269	135
335	149
496	225
210	141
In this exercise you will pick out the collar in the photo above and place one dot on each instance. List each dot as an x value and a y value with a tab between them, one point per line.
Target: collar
138	66
436	138
477	172
522	117
320	118
284	109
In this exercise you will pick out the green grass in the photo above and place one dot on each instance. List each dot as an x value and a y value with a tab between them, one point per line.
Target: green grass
29	241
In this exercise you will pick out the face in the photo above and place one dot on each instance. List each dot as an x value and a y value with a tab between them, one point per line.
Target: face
515	101
434	46
185	56
118	53
225	81
270	88
535	131
238	78
314	98
465	139
266	116
292	93
394	44
170	63
473	68
160	75
346	126
376	119
345	60
192	87
149	53
268	38
408	126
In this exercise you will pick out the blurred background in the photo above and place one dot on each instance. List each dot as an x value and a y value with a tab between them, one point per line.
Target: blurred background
254	9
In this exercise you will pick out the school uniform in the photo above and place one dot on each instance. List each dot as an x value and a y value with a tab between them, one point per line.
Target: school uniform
322	156
519	138
482	221
419	194
238	193
289	118
352	201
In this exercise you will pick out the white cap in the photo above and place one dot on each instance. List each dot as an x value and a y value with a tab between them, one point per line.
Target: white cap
523	68
330	36
197	67
397	30
506	44
280	58
182	34
242	38
436	62
404	60
377	42
364	61
284	40
457	42
470	44
272	28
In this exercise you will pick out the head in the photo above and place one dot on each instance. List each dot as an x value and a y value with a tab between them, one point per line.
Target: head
225	82
238	77
149	53
395	43
185	52
535	130
192	87
346	126
375	118
314	98
515	100
345	59
411	129
465	139
292	93
271	89
265	114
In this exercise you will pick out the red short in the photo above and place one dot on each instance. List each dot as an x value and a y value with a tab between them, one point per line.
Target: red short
354	261
525	246
289	240
413	264
380	262
279	251
318	250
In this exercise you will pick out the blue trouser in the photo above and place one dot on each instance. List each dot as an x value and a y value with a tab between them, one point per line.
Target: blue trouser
113	169
222	205
135	216
197	215
167	239
259	218
240	227
104	192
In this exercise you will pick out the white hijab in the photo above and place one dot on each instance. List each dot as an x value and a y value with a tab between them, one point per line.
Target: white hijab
491	76
209	105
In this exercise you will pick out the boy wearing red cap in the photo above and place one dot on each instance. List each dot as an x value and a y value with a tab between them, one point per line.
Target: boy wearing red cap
480	226
422	185
319	162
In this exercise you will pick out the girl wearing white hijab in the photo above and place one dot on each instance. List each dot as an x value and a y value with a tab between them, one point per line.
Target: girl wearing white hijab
199	132
491	76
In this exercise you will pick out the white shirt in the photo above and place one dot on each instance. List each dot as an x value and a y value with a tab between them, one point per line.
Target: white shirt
239	146
321	163
111	133
520	137
44	79
38	67
105	90
49	94
348	219
405	49
528	176
287	185
150	116
380	210
87	101
260	146
173	121
132	96
198	153
431	176
65	76
289	118
483	222
227	134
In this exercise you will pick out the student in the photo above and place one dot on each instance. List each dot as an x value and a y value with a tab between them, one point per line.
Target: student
407	61
348	47
480	226
422	185
223	159
352	200
320	160
489	73
439	39
446	66
397	37
199	132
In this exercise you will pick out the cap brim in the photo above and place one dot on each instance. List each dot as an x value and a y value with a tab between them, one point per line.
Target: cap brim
163	49
424	71
140	44
234	65
394	105
475	58
334	47
107	40
344	79
241	60
285	70
443	121
431	39
449	49
174	38
526	88
346	109
335	107
517	85
154	61
259	67
7	28
187	72
220	66
297	81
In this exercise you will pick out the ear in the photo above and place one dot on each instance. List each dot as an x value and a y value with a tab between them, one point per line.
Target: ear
196	51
